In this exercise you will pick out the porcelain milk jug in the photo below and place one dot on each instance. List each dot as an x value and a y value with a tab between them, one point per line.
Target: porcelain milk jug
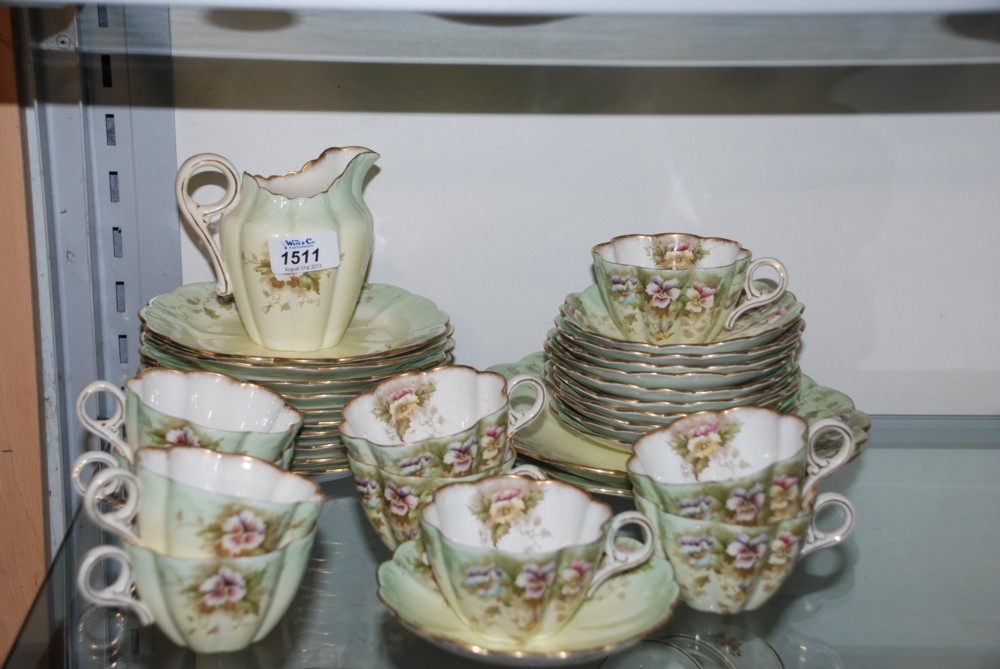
293	249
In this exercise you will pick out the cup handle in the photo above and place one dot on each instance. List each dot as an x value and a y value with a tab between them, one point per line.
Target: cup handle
755	297
517	420
119	593
819	467
618	560
200	215
107	429
85	460
531	471
118	521
815	539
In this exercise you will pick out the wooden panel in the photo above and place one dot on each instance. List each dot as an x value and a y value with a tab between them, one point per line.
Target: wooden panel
22	523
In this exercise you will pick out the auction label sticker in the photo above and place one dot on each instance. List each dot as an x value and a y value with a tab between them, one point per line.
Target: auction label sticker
308	253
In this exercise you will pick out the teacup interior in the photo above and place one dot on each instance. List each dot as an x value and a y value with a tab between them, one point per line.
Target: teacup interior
719	446
644	250
415	407
228	474
517	515
214	401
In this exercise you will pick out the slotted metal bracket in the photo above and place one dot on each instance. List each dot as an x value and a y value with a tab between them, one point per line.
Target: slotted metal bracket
102	154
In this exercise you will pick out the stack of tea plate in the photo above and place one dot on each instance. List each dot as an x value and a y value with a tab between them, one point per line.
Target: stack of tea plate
392	331
616	390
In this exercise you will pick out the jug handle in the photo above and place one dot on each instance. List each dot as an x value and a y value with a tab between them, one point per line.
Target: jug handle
200	215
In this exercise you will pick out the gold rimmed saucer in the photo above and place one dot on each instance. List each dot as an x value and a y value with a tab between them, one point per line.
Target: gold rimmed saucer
387	320
548	440
718	363
622	611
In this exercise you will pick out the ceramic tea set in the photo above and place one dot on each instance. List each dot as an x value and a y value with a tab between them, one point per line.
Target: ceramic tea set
673	380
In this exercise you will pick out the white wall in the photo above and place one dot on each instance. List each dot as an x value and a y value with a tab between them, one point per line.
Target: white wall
887	222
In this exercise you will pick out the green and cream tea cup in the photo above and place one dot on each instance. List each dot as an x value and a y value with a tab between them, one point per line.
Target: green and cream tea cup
448	422
209	604
727	569
516	557
675	288
166	407
189	502
746	465
393	503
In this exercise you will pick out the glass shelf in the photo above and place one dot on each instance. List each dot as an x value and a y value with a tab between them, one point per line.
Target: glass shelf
914	587
339	32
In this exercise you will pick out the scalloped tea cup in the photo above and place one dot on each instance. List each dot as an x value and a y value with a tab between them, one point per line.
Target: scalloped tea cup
727	569
166	407
393	502
747	465
450	421
209	604
189	502
675	288
515	558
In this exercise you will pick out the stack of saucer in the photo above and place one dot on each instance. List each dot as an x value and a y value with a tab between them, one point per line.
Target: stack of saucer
675	324
616	390
392	331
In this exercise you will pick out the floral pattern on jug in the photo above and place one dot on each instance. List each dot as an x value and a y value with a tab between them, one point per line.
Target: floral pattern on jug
283	291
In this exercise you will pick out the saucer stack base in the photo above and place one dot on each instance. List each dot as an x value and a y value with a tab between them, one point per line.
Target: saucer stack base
392	332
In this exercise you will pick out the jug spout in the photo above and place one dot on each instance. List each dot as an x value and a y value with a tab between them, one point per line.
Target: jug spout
320	175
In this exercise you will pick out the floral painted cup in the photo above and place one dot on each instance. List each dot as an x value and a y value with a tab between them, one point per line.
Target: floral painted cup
747	465
210	604
447	422
724	568
675	288
515	558
393	503
166	407
189	502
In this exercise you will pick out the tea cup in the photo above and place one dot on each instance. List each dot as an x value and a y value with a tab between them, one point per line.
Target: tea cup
189	502
393	503
448	422
746	465
727	569
515	557
675	288
210	604
166	407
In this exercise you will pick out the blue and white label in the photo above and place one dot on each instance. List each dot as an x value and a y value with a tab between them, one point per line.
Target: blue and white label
298	255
